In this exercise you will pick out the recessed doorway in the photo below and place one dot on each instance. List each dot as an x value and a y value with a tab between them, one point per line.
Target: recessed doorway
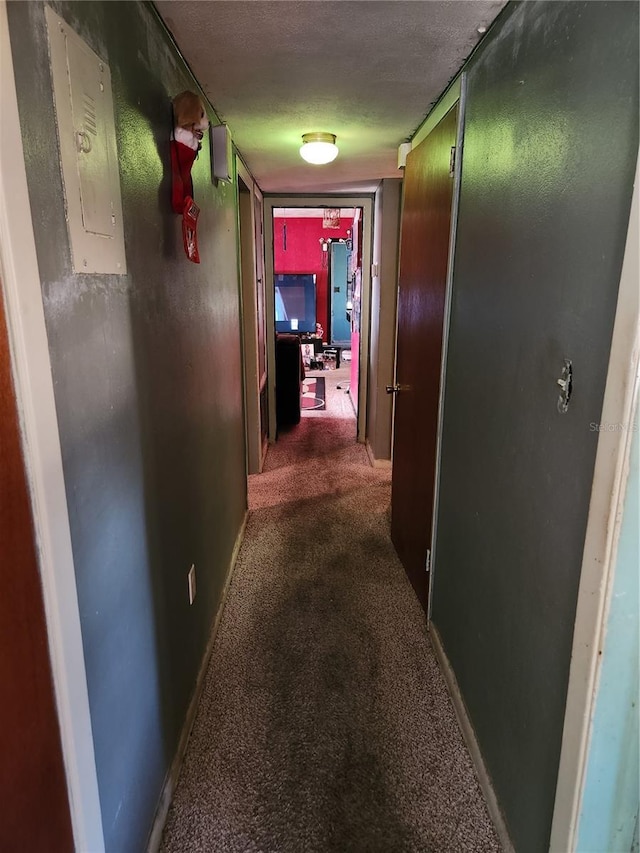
318	262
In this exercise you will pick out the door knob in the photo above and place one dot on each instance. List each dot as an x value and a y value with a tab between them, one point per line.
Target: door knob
393	389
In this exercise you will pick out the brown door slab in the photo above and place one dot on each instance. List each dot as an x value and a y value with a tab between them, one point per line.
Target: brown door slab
424	252
34	815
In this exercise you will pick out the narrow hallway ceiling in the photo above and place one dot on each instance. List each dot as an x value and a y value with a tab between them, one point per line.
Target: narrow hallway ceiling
366	70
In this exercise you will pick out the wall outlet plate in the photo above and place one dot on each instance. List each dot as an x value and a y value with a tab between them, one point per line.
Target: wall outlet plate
191	579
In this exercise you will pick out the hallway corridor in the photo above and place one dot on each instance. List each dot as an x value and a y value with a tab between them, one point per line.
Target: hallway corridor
324	723
239	663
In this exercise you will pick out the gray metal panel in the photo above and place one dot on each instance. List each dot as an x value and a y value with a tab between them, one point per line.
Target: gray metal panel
550	147
148	384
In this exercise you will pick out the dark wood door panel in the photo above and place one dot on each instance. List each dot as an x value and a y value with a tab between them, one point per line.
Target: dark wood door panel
424	252
34	815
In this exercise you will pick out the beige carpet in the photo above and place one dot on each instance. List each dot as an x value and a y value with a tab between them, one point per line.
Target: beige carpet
324	724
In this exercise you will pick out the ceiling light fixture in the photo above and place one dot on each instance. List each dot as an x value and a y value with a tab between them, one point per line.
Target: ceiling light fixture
319	148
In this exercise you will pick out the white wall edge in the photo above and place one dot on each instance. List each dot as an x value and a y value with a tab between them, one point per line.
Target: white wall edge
471	742
439	111
249	322
365	316
43	459
603	530
270	312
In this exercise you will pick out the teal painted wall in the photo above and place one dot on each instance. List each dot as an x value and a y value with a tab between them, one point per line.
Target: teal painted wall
551	141
148	387
609	813
340	326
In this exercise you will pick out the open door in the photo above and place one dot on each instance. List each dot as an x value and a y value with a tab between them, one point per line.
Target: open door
33	783
424	253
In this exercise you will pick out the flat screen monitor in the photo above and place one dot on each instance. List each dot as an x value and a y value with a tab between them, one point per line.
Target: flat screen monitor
295	299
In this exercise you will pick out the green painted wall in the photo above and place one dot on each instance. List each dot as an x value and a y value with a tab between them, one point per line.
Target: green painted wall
147	374
550	147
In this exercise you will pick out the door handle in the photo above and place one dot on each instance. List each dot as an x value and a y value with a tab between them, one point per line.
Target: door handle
393	389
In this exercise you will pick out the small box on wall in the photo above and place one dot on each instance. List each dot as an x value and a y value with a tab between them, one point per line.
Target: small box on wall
221	153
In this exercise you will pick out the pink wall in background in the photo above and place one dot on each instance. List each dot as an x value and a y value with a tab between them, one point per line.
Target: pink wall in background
304	254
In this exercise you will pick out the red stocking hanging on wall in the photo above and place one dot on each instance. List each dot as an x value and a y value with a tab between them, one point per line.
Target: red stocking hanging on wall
190	230
190	123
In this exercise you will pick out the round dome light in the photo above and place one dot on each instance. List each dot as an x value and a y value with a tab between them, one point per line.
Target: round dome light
319	148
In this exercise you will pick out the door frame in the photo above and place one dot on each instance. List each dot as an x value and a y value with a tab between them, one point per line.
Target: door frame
33	384
364	201
248	250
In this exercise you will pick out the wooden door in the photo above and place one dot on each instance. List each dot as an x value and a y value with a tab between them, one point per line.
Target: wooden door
424	252
34	814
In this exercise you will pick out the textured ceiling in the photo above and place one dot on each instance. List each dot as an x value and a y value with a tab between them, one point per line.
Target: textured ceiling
367	71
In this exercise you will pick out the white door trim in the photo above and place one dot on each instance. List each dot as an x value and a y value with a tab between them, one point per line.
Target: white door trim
603	530
260	283
448	99
43	460
248	285
366	203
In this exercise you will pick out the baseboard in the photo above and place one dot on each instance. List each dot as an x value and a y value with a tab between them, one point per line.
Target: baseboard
376	463
171	779
354	403
472	744
263	453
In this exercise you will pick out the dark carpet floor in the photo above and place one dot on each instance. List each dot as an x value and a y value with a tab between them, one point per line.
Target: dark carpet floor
325	724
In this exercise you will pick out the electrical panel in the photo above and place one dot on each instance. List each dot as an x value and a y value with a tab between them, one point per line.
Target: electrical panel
88	151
